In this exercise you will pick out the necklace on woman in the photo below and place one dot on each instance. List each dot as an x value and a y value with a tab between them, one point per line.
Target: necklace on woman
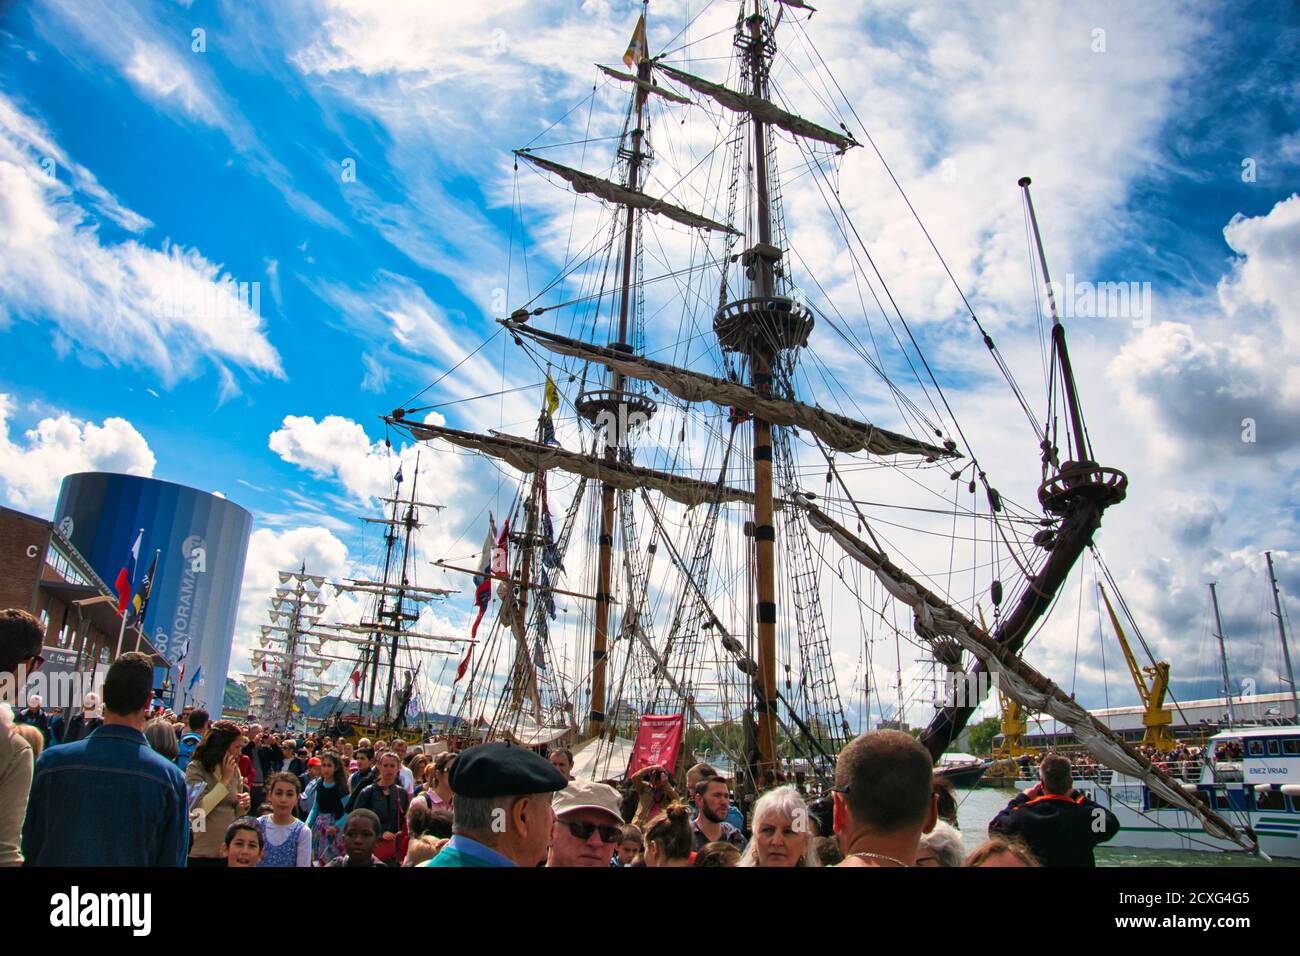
879	856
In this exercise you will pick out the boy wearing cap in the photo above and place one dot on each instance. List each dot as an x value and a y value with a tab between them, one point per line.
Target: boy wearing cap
588	825
502	812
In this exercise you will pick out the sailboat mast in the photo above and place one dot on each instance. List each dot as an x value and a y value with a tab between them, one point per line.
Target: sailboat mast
605	542
525	677
1281	632
760	358
1074	408
399	614
1223	655
291	657
390	542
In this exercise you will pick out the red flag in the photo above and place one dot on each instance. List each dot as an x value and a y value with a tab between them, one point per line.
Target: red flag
464	664
356	683
123	585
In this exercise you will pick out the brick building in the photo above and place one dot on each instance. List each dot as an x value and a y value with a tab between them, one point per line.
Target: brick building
41	572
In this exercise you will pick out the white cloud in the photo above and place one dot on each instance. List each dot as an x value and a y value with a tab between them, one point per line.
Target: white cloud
338	448
161	75
33	468
169	308
1226	382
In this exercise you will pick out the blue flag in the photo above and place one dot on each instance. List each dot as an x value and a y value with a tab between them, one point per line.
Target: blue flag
195	679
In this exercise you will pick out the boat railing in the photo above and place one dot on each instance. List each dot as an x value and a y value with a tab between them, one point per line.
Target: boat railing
1188	771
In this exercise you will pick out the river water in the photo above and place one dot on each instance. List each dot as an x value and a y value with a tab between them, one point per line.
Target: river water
977	807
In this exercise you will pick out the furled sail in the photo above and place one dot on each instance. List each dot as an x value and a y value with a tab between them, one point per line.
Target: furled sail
530	456
1019	681
763	110
586	183
645	85
838	431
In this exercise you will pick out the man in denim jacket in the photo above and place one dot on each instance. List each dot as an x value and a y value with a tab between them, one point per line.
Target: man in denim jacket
109	800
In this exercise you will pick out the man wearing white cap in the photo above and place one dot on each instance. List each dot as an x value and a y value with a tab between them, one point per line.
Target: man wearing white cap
588	825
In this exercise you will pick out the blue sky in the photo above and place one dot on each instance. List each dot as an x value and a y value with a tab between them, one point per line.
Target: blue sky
175	167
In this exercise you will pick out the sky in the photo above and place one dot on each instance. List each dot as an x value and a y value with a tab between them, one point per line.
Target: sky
233	236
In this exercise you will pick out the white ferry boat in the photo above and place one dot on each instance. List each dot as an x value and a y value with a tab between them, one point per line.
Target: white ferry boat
1250	776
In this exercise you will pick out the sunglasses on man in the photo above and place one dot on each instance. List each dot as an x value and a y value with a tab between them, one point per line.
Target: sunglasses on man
583	830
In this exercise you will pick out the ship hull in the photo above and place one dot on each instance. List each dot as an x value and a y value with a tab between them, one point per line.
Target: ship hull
963	778
1143	827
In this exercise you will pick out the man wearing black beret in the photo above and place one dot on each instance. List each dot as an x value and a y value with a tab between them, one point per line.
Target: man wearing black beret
502	814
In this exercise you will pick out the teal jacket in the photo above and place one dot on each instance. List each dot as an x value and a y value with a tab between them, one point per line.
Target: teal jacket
462	851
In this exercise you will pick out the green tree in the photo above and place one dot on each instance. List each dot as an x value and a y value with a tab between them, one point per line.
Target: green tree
982	734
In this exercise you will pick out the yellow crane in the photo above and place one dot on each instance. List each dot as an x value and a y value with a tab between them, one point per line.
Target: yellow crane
1156	719
1014	725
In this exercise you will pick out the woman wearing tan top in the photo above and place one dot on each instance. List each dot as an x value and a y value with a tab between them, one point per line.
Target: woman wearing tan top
215	764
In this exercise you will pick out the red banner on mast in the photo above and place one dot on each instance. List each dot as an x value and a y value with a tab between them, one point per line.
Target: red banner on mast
658	743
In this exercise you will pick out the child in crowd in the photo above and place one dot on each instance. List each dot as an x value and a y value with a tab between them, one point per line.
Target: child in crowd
360	835
287	839
242	845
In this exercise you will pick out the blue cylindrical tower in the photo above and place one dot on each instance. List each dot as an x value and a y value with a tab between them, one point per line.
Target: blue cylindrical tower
201	541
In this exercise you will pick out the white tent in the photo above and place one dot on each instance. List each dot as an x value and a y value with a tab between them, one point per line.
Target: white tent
599	759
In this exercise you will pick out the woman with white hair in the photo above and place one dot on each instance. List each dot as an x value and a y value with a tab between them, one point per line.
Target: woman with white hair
783	831
942	846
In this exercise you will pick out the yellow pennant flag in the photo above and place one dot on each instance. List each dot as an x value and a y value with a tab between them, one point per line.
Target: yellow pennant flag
552	397
637	48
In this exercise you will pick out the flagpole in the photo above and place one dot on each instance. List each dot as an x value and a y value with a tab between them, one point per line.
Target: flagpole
117	651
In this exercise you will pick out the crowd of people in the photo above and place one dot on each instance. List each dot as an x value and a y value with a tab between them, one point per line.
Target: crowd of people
1182	761
142	788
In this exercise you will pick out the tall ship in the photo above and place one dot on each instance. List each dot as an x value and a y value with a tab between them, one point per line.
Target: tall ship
742	443
288	665
381	656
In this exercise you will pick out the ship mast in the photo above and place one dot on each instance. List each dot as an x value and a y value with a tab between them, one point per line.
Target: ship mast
1223	656
399	614
761	355
605	541
1281	632
372	652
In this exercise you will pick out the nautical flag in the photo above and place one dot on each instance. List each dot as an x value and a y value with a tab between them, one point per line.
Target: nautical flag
140	603
483	580
413	706
548	432
356	683
501	553
124	576
398	477
464	665
552	397
550	553
195	679
548	598
637	48
482	592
